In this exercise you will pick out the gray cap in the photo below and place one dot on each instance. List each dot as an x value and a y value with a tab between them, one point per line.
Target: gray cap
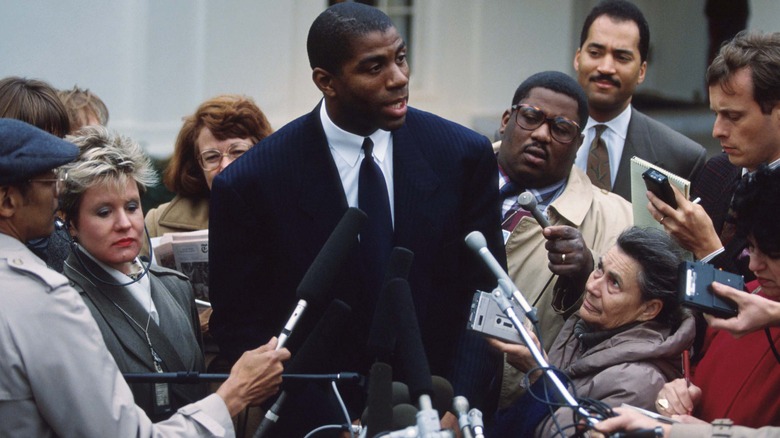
26	151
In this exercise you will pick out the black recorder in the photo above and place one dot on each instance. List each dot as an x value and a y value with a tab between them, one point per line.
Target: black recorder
658	183
695	292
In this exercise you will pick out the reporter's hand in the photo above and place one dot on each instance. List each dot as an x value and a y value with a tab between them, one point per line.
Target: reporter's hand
689	224
517	355
677	398
567	252
255	376
629	420
755	312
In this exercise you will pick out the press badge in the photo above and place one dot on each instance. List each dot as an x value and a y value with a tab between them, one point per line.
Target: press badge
162	399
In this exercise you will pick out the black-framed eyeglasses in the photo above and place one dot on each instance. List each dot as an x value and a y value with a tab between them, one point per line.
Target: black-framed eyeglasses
210	159
58	182
530	117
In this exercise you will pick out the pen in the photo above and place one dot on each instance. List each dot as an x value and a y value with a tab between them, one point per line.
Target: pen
686	361
697	200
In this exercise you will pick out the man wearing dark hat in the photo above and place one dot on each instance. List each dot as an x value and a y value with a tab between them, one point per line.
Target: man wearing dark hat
58	378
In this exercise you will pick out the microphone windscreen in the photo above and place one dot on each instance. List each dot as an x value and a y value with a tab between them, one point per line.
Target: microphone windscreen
316	283
399	265
414	362
400	393
442	395
379	410
320	353
404	415
476	241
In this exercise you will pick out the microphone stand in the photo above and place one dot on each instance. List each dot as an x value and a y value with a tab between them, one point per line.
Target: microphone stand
506	307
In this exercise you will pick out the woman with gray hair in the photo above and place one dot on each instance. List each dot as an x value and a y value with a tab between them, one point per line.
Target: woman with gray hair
622	346
146	314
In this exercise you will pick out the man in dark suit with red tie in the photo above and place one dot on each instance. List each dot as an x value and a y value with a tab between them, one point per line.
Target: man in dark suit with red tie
273	209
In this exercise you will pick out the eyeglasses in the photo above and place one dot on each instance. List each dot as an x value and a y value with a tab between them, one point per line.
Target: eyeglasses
59	182
210	159
530	117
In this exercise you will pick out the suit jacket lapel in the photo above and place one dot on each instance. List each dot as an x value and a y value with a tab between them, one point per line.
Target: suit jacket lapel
104	297
326	205
414	182
639	143
109	299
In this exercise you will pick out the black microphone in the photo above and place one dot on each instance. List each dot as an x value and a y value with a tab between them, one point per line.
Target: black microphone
461	407
442	395
639	433
316	283
400	393
379	411
381	344
319	353
404	415
528	202
382	335
476	241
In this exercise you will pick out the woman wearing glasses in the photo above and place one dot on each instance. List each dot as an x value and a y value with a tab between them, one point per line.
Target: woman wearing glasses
147	315
221	130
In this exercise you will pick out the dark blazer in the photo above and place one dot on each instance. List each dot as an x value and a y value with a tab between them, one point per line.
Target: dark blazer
715	185
273	209
177	339
660	145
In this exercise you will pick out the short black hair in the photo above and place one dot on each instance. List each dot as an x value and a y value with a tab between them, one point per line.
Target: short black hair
560	83
329	43
659	258
756	205
620	10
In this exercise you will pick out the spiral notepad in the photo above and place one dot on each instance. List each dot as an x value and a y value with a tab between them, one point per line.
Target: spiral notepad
642	217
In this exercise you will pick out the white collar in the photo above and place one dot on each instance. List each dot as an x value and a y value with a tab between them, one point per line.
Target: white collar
348	145
618	125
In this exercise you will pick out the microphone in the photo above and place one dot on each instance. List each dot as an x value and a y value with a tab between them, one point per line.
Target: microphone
319	353
528	202
404	415
379	415
317	281
442	395
381	344
476	241
461	406
382	335
475	419
400	393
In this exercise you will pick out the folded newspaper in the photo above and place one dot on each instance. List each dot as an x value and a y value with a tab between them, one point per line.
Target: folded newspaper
188	253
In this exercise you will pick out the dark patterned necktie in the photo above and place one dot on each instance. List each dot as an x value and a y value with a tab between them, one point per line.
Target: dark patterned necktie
376	238
598	161
515	213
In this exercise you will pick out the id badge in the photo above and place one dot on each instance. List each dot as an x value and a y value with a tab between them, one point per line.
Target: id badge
162	399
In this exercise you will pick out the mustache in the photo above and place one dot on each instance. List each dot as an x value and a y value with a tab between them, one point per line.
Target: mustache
605	78
539	149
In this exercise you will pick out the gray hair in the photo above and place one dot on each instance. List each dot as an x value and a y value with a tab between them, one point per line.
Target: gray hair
659	257
105	157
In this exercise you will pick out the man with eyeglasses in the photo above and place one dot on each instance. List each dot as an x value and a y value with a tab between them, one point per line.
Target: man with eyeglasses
540	134
610	63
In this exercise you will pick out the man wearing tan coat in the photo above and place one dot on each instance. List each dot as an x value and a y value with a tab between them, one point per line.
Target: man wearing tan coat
540	135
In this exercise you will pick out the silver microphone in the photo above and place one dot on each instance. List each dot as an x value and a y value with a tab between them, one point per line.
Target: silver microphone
528	202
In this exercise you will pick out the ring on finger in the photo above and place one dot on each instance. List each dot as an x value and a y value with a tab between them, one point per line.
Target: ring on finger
662	219
662	403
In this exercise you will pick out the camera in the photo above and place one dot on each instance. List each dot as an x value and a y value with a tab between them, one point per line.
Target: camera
487	318
695	292
658	183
